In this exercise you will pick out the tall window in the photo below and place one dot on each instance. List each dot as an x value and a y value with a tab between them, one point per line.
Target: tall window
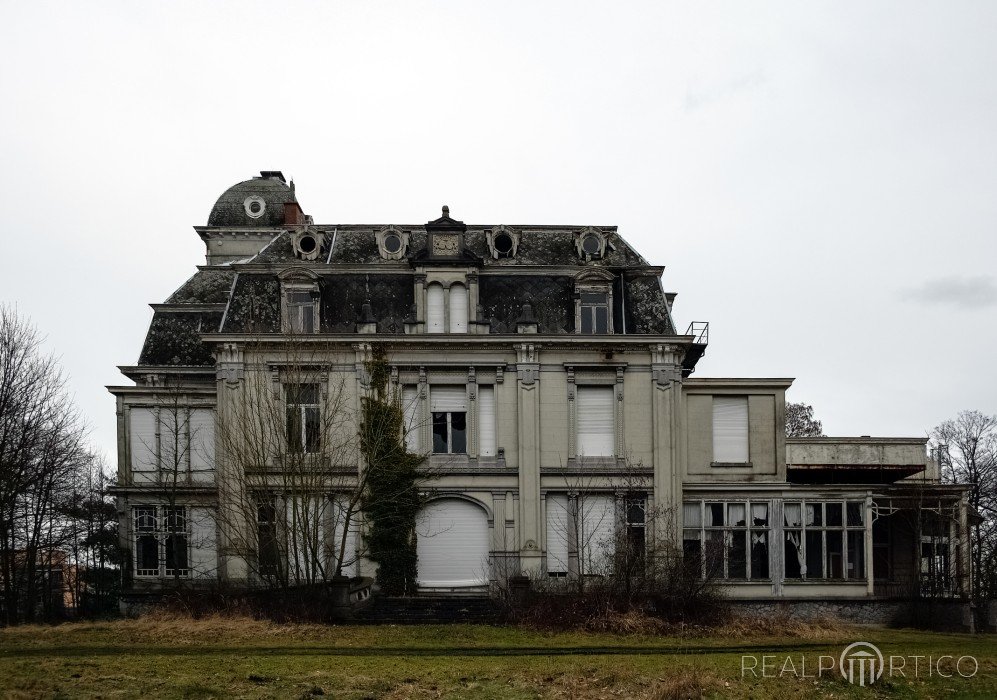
448	405
458	308
161	541
595	312
825	540
268	551
300	311
435	314
486	421
727	540
730	429
596	426
303	425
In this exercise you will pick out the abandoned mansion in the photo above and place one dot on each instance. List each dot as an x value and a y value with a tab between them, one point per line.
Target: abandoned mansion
542	376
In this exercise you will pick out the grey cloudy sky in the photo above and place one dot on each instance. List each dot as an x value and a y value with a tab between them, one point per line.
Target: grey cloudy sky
818	178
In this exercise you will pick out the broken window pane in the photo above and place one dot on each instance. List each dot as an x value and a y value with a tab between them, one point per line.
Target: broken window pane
833	514
759	514
855	511
791	511
737	560
735	514
793	554
815	554
759	555
835	554
856	554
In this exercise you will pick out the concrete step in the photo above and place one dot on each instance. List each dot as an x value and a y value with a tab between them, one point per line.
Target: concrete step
430	610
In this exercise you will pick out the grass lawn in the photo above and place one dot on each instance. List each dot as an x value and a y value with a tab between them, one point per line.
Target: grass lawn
178	658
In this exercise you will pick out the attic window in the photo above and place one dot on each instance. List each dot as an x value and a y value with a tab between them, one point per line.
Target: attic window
255	206
392	243
502	242
591	244
307	243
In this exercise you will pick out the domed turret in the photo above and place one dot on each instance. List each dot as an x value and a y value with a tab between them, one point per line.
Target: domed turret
254	203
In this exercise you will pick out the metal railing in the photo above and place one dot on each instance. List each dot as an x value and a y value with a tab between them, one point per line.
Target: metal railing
700	331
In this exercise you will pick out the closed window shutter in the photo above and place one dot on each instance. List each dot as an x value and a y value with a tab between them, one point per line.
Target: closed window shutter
447	399
203	547
306	516
173	440
557	533
730	429
434	309
410	411
142	441
202	443
598	531
486	421
458	308
596	426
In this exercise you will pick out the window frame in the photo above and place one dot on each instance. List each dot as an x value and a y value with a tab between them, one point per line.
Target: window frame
727	532
165	530
301	447
823	528
449	431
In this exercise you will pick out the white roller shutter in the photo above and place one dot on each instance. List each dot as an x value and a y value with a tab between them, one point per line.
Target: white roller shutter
350	555
202	444
434	309
486	421
142	444
448	399
173	441
410	413
557	533
203	543
452	544
730	429
596	424
598	515
458	308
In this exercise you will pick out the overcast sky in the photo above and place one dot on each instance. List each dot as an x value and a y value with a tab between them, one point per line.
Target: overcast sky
819	179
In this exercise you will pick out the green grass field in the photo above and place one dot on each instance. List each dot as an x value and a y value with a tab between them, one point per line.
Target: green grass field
178	658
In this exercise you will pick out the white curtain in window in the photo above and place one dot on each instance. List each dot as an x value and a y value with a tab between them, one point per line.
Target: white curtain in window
458	308
202	443
597	547
410	412
557	533
448	399
142	440
692	515
434	309
486	421
791	511
596	424
730	429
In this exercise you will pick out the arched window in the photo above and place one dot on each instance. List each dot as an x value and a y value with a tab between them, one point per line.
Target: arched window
458	308
434	309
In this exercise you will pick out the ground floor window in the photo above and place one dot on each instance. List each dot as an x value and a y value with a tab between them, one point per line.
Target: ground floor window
161	541
824	540
727	539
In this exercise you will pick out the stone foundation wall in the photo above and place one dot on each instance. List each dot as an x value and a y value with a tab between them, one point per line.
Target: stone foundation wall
940	615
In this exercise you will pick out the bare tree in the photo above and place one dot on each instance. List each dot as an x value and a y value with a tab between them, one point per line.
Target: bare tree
41	450
800	421
968	449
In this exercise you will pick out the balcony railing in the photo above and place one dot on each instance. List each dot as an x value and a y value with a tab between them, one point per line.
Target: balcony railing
700	331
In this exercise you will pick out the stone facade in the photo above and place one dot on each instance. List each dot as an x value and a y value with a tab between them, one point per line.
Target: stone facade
544	377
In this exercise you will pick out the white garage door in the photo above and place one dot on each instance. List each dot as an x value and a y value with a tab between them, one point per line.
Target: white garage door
452	544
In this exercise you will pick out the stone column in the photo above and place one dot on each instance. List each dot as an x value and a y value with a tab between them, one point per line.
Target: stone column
666	375
870	581
528	403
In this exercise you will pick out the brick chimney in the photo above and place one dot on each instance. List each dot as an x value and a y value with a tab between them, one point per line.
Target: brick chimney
293	214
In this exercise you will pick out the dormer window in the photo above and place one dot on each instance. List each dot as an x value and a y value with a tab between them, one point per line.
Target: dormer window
301	298
307	244
591	244
594	302
502	242
595	312
392	243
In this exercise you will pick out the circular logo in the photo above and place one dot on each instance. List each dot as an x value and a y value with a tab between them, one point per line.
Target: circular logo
861	663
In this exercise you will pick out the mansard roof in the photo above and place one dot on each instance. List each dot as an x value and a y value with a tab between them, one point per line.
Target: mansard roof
351	273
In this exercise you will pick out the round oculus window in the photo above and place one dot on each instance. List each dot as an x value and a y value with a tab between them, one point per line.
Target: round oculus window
503	244
591	244
392	243
255	206
306	244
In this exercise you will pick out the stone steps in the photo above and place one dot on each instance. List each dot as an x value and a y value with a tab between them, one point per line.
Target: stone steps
430	610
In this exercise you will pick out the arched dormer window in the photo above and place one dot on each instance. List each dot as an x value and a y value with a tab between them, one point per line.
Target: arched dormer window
300	301
594	302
